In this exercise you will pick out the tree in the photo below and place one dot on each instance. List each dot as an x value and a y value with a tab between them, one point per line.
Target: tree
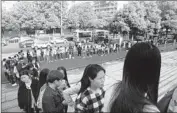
140	17
30	15
168	14
80	15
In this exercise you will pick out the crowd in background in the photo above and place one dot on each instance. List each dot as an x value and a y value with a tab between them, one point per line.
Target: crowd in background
50	91
51	54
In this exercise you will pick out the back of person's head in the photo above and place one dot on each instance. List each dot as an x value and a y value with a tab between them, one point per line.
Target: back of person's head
54	75
61	68
91	72
43	77
141	74
34	60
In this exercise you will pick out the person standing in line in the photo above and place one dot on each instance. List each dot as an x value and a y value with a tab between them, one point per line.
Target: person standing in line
84	50
35	54
66	52
29	57
70	51
12	75
52	100
79	49
35	64
27	93
54	53
58	53
42	54
63	71
138	90
22	54
32	71
48	55
51	54
42	86
67	85
90	98
6	64
87	51
62	52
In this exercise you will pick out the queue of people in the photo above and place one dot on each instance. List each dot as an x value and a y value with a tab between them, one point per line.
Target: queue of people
13	66
137	92
52	54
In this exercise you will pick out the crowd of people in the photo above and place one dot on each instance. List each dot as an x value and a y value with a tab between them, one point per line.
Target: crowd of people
70	52
13	66
49	90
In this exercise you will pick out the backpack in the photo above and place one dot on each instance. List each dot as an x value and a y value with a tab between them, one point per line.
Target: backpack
164	102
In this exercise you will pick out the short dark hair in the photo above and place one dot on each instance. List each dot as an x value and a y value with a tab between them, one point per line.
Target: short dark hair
54	75
24	72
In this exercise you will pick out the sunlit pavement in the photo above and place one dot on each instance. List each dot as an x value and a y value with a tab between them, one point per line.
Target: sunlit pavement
168	80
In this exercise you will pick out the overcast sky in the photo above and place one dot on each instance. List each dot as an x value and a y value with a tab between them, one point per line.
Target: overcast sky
9	4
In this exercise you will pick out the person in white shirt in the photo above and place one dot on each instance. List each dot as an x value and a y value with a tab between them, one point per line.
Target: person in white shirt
62	49
55	53
47	54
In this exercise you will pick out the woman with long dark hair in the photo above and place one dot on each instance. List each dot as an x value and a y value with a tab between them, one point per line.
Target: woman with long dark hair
67	85
91	95
63	70
42	86
138	90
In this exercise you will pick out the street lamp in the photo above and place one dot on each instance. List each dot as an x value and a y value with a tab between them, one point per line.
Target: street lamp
61	19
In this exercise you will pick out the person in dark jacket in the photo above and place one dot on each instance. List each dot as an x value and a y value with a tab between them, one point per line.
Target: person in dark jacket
79	49
29	57
52	100
32	71
27	93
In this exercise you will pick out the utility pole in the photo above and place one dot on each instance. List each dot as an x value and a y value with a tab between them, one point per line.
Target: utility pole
61	33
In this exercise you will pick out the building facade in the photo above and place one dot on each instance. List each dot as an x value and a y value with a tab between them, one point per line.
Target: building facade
110	7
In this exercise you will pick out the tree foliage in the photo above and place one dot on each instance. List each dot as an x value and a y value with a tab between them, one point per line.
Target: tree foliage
80	15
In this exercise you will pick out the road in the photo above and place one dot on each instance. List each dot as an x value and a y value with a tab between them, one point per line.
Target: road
168	79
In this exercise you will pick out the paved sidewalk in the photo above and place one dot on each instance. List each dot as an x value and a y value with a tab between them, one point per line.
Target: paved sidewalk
168	79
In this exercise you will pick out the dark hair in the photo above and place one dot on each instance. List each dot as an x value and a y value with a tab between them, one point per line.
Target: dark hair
65	74
90	71
30	65
141	74
24	72
33	58
43	77
54	75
